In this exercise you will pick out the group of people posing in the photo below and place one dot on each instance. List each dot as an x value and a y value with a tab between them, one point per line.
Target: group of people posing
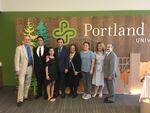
56	68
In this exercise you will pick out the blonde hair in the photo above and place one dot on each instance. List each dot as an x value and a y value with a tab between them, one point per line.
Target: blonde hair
102	45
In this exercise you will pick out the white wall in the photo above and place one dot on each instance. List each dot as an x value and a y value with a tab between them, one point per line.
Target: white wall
74	5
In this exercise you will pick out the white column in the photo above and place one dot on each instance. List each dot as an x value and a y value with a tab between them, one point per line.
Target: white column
134	78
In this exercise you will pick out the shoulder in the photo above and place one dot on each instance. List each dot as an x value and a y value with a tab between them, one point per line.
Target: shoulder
91	53
77	54
31	46
65	48
55	48
19	47
95	53
113	54
34	48
45	47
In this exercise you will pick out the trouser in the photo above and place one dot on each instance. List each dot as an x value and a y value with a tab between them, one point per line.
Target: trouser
73	83
24	84
41	84
110	84
87	82
60	83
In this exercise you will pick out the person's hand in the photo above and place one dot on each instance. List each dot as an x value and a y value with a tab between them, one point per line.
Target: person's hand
66	70
91	72
47	78
110	77
75	73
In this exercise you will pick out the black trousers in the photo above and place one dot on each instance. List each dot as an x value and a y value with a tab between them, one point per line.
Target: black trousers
73	81
41	83
60	83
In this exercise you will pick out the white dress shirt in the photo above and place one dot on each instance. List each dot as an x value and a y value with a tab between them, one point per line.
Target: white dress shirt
42	50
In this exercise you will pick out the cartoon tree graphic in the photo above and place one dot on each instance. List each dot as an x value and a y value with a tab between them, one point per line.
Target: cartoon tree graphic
30	31
41	30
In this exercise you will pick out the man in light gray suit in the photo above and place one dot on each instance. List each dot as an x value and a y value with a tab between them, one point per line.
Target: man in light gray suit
23	67
110	73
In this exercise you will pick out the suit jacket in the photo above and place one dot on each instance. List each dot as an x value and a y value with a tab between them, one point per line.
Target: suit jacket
39	62
21	59
76	60
62	60
110	65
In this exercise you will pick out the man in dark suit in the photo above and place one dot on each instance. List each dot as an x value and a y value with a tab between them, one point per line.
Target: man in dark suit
110	73
39	54
62	62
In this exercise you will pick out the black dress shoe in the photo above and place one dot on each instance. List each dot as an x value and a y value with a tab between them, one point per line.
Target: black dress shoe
70	94
19	103
45	97
62	95
109	101
106	99
74	95
37	96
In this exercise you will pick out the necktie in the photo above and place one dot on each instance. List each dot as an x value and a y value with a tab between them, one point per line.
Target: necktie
59	50
40	52
29	55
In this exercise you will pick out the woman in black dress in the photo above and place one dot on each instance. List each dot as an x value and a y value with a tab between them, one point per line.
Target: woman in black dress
50	74
74	70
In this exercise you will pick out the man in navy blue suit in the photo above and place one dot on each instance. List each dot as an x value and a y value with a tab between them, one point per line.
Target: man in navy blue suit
62	61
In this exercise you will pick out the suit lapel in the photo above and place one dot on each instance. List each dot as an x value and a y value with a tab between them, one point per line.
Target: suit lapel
24	51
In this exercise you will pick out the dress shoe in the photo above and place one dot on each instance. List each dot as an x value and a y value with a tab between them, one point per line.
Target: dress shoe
62	95
19	104
74	95
106	99
45	97
109	101
37	96
70	94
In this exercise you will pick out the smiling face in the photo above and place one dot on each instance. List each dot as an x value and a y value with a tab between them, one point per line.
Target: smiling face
26	40
99	48
40	42
86	46
51	51
109	47
60	43
72	49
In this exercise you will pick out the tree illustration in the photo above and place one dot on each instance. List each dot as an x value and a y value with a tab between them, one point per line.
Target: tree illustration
30	31
41	30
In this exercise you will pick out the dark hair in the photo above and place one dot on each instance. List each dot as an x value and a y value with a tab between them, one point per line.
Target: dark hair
39	37
50	48
76	49
86	43
60	39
